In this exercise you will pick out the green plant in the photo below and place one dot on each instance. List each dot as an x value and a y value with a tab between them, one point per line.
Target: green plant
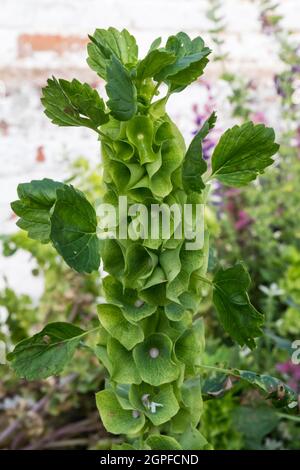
150	336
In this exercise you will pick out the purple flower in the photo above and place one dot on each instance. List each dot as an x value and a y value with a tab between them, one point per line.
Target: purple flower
242	221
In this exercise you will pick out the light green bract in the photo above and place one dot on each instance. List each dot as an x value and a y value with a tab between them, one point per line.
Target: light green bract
152	338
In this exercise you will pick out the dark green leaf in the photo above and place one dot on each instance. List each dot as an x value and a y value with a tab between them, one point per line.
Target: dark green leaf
73	104
280	393
193	165
121	91
73	230
189	65
34	206
237	315
242	153
108	43
154	62
47	352
255	423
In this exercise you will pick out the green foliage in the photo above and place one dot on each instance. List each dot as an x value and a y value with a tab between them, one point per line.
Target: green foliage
73	230
238	317
151	341
47	352
54	211
73	104
36	201
242	153
121	91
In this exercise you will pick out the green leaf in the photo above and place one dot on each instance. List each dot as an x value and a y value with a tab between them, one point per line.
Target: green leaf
153	360
281	394
115	419
242	153
73	104
155	44
121	91
193	165
190	345
272	388
123	368
237	315
159	405
36	201
255	423
108	43
46	353
154	61
192	439
112	319
73	230
190	61
157	442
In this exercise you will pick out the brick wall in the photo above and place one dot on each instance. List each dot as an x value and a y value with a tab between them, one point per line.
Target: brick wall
39	38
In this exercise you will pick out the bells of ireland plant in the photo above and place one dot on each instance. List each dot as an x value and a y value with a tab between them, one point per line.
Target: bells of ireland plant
150	233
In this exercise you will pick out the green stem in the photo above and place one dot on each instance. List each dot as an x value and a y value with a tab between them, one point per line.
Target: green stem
289	417
219	369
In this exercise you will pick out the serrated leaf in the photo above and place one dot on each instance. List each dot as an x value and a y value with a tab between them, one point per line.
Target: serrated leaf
194	165
190	61
112	319
73	104
108	43
156	369
236	313
73	230
47	352
274	389
243	152
154	61
115	419
121	91
34	206
158	442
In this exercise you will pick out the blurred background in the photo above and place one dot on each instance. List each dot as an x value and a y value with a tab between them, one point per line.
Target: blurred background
254	74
